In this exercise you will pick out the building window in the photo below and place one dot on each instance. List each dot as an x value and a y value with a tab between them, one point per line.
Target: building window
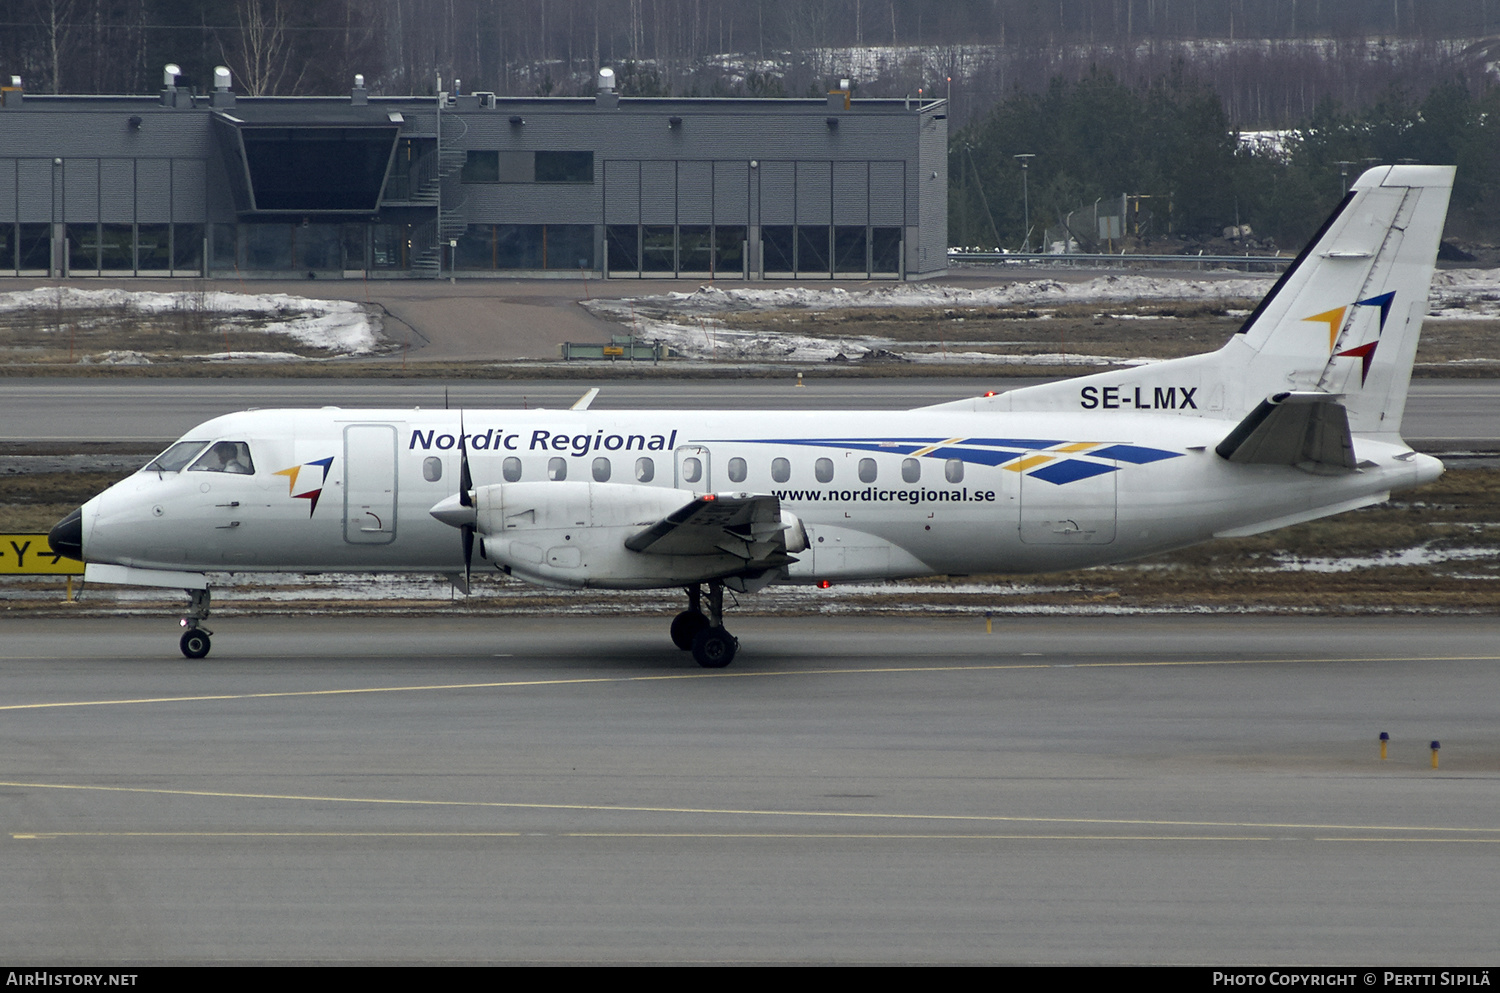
481	167
778	243
885	251
318	246
518	246
729	250
265	246
849	249
116	248
812	250
694	249
476	248
568	246
621	242
564	167
83	248
388	246
658	248
354	237
34	251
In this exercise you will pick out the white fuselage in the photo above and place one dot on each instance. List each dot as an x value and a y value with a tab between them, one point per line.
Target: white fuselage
880	494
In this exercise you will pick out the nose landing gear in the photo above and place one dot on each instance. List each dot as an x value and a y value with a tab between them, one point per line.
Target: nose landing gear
704	634
196	640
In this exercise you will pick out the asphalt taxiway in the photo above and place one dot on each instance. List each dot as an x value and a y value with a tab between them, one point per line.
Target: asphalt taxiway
1441	414
1074	789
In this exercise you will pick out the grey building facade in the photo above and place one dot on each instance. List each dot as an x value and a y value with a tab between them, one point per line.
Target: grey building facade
467	185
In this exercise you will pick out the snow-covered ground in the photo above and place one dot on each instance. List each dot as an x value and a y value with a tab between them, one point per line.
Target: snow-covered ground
1465	293
334	327
699	323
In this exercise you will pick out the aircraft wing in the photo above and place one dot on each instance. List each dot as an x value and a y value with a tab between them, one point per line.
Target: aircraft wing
747	525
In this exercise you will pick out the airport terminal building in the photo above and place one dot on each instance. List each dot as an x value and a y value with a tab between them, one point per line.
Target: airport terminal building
468	185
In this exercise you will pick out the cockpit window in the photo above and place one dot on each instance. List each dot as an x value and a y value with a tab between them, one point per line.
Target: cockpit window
174	458
226	456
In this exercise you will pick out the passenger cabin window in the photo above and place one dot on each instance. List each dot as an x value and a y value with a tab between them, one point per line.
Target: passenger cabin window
692	469
645	470
174	458
601	470
781	470
226	456
867	470
432	468
953	470
557	469
823	469
511	469
737	471
911	470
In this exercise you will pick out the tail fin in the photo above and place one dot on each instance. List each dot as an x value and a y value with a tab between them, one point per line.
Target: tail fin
1346	317
1343	319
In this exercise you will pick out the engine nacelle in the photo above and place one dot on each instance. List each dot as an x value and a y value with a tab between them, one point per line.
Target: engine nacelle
573	534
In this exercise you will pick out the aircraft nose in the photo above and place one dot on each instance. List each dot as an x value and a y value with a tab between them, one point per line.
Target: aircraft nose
66	536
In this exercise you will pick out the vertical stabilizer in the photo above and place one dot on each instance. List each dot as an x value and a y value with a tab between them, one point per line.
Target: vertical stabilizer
1345	319
1342	321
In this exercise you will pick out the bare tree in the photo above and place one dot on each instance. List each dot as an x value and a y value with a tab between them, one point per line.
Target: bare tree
55	18
261	59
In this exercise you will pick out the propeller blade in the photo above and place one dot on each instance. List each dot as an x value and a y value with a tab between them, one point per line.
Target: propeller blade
465	499
466	533
465	478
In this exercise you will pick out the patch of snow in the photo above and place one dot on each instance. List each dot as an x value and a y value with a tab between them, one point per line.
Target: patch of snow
713	299
119	357
1274	144
1421	555
712	339
249	357
1465	294
337	326
697	323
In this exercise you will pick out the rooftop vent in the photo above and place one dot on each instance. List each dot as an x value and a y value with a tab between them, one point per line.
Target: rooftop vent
606	97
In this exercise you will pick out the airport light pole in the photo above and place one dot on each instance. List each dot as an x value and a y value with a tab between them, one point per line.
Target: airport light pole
1025	160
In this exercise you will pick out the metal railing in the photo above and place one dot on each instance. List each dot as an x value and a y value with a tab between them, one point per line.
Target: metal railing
1248	263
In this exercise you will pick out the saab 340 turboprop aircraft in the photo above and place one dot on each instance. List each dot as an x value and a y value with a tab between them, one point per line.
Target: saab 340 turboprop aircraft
1297	417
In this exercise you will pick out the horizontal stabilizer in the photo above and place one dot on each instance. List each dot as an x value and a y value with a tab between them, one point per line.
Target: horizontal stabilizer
1298	429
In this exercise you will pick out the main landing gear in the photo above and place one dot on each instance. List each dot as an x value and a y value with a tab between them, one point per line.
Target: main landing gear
704	634
196	640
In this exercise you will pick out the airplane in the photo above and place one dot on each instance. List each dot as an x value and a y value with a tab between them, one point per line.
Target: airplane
1296	417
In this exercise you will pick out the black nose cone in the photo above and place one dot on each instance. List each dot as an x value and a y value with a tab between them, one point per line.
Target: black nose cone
66	536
